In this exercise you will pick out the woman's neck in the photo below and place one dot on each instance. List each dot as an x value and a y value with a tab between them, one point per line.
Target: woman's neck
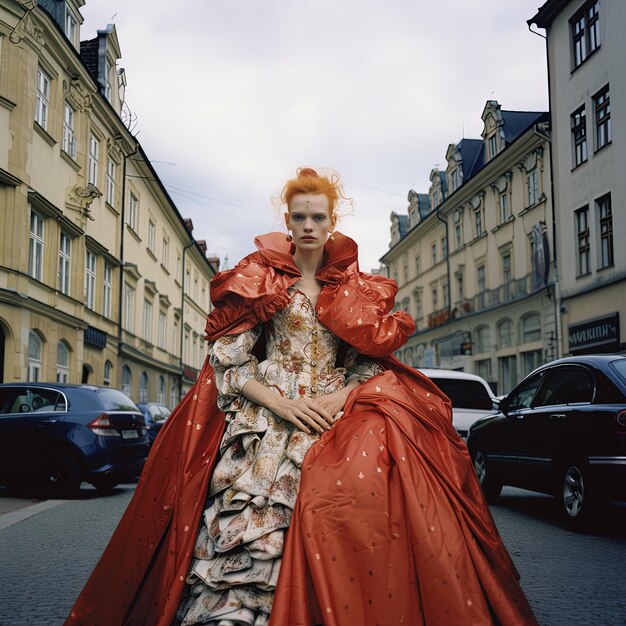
309	263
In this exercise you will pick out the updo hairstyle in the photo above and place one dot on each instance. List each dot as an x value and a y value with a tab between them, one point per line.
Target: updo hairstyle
309	181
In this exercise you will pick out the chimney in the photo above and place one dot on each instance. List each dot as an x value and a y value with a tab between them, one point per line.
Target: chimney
189	225
202	245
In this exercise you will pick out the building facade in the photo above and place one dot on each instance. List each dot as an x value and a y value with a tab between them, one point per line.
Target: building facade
586	53
472	257
100	277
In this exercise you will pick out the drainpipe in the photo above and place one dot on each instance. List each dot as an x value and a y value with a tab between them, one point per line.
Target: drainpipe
182	322
555	266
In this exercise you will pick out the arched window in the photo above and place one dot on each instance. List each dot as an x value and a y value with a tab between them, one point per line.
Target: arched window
143	387
35	352
482	339
127	380
531	328
63	363
161	390
505	334
173	396
108	370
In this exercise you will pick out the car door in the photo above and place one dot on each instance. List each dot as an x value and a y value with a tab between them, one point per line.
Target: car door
547	429
501	443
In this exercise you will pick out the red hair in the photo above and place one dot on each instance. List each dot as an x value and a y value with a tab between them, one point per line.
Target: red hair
309	181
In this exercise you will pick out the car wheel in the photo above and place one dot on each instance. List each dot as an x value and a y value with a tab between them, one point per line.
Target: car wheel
576	495
490	486
60	475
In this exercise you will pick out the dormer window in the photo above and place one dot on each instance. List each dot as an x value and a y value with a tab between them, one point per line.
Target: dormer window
71	26
455	180
107	80
493	146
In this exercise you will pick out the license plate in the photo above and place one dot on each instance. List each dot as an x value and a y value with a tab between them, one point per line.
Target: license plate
130	434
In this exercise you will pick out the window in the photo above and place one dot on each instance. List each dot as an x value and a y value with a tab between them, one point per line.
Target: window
35	252
531	328
579	136
505	334
188	279
71	27
585	29
460	287
92	166
533	187
151	235
458	232
493	146
110	197
480	283
129	307
162	329
107	290
179	268
35	351
161	390
63	363
602	107
108	368
444	248
507	275
507	367
90	280
107	79
147	320
524	394
446	295
565	385
419	308
483	339
195	286
133	211
173	395
127	380
433	250
582	233
69	138
478	221
418	265
65	264
505	209
605	219
531	360
435	299
455	180
483	369
143	387
165	252
42	99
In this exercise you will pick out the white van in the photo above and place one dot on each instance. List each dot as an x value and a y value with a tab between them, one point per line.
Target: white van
470	394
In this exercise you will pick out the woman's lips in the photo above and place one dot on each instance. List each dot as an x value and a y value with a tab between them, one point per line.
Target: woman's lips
307	238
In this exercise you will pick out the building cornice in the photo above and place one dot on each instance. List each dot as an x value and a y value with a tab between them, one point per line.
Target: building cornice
548	13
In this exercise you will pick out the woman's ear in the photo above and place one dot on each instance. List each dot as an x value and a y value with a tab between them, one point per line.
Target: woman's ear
287	219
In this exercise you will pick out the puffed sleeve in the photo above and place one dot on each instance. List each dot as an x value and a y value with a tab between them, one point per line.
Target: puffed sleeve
359	367
234	365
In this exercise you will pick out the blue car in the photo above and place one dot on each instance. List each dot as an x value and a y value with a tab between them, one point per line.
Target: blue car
53	436
561	431
155	414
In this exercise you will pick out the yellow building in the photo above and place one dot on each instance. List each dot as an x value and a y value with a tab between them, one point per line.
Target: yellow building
472	258
94	254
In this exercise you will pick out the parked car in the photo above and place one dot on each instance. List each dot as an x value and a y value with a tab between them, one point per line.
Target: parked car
53	436
155	414
561	431
471	396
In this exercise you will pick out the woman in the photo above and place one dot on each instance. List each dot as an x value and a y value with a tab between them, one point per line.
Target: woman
389	525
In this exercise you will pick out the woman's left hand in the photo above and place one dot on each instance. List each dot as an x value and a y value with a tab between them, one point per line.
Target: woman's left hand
334	402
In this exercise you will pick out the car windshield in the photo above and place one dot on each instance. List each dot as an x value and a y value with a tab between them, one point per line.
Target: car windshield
114	400
158	413
619	367
465	394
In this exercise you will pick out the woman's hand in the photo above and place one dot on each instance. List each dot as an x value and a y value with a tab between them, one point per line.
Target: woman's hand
334	402
304	413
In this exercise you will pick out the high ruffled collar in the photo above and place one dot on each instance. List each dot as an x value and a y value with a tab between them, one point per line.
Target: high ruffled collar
339	254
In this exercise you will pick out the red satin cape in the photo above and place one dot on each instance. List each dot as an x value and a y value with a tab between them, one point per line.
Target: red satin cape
390	524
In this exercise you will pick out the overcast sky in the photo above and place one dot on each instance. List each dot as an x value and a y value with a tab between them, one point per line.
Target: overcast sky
231	96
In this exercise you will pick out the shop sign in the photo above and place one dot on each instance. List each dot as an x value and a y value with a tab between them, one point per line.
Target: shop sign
600	332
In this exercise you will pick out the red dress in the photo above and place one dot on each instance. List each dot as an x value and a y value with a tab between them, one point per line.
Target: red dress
390	525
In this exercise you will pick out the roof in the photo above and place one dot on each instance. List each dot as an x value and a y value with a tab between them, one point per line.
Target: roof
516	122
403	224
548	13
472	151
89	57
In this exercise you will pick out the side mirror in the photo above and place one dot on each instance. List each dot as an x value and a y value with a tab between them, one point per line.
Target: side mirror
503	405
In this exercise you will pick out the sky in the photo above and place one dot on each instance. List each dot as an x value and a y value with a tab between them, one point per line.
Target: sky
230	97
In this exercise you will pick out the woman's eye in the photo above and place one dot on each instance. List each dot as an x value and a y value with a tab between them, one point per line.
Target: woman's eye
320	218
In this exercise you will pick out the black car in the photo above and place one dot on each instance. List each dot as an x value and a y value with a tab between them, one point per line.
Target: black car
561	431
155	414
53	436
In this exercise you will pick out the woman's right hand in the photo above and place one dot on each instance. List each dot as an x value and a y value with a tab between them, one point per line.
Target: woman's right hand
303	413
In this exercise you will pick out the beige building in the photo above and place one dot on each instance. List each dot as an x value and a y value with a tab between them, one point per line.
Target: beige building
586	52
101	280
472	258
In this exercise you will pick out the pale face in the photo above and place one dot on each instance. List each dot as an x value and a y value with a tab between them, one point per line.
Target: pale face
309	221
